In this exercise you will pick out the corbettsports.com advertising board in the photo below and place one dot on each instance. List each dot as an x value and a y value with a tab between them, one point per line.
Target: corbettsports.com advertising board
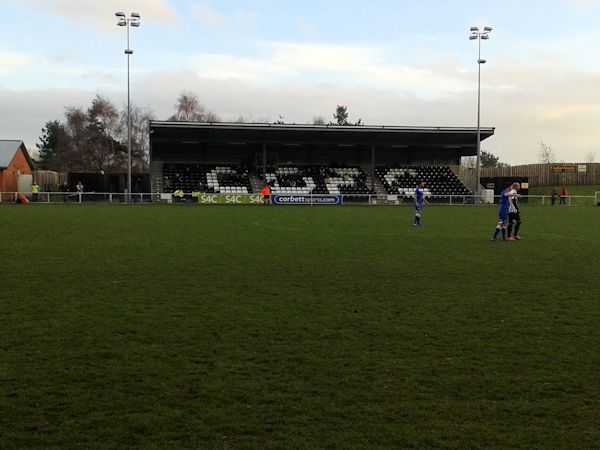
307	199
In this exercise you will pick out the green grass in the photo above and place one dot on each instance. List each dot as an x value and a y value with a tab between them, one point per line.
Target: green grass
573	191
297	327
582	189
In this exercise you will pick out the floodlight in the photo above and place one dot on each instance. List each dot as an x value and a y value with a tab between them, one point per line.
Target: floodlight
488	29
120	14
484	36
473	37
137	16
474	29
135	24
122	23
481	61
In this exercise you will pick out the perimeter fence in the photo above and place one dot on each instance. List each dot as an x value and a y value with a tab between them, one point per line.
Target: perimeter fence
287	199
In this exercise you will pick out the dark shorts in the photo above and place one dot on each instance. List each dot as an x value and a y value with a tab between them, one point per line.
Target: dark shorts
514	217
266	197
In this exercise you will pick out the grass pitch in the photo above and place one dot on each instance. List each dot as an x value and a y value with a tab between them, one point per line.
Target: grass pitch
298	327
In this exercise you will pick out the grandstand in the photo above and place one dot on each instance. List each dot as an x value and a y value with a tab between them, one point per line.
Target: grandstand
208	178
440	180
349	161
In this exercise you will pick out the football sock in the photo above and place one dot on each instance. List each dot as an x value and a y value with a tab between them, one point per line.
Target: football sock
517	226
496	232
509	229
503	233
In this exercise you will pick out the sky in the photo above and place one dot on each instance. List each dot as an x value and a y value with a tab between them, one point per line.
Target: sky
391	62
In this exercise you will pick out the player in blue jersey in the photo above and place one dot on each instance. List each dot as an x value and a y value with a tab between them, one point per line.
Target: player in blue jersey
418	200
503	206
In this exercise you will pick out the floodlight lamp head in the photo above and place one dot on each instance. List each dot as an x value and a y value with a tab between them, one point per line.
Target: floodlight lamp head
487	29
473	37
122	23
485	36
135	23
120	14
135	15
481	61
475	29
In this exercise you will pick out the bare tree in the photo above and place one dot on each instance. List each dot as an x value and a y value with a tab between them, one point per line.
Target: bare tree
590	157
103	150
546	154
105	113
319	120
189	109
76	125
140	138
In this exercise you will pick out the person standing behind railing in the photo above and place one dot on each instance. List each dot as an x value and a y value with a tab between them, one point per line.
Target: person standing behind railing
65	188
563	195
178	195
553	196
79	187
35	191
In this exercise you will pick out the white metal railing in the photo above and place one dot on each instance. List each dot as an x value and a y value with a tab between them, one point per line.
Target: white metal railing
309	199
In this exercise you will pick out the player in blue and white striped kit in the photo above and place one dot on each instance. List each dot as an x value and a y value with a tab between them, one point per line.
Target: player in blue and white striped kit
418	200
503	206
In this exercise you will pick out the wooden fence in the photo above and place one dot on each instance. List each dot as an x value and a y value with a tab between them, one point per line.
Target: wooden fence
549	174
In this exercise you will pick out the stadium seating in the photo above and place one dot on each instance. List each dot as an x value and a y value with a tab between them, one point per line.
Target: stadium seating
291	180
318	180
215	179
439	180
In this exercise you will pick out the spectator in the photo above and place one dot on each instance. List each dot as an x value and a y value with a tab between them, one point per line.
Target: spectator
553	196
79	187
65	188
563	195
35	191
178	195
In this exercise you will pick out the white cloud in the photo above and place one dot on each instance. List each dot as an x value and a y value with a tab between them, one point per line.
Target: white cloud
101	13
530	111
526	103
227	66
364	65
237	21
12	63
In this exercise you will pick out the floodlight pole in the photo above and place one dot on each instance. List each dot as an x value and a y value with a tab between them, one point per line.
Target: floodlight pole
133	20
479	35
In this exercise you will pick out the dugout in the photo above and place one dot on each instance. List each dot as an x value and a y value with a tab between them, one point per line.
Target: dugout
497	184
258	146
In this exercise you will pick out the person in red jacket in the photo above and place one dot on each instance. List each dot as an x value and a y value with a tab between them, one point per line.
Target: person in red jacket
563	195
